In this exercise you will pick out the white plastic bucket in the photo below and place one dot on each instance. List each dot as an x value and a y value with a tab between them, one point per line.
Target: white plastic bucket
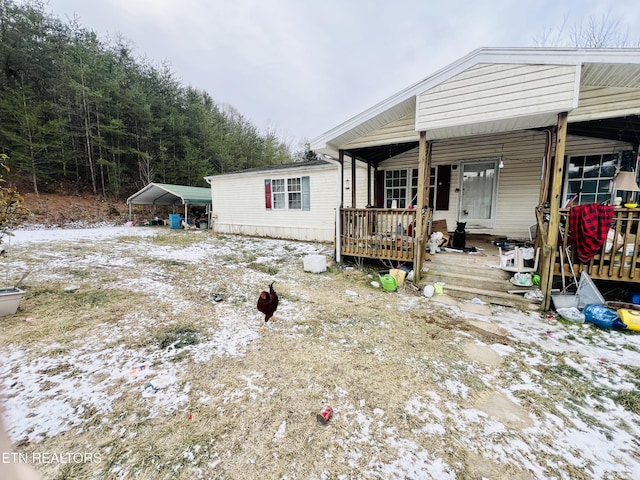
315	263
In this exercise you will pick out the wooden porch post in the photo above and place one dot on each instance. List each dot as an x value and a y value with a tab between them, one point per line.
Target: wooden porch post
369	184
424	170
551	242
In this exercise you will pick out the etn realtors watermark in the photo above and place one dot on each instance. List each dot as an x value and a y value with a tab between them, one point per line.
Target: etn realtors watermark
50	457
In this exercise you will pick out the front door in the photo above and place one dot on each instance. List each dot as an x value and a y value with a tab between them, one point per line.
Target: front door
478	185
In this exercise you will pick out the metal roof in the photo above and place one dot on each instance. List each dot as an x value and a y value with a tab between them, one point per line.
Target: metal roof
165	194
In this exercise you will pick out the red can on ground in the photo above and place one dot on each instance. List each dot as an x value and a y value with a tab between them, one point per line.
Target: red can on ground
324	415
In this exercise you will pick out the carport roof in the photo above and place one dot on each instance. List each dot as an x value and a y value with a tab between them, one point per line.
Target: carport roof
166	194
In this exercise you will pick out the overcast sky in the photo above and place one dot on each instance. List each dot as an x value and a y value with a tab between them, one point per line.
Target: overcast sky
302	67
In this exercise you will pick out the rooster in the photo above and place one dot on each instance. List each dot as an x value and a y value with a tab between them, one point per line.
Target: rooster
268	304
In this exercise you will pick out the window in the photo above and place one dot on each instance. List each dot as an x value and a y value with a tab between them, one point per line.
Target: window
402	186
277	187
413	200
294	190
395	187
589	177
287	193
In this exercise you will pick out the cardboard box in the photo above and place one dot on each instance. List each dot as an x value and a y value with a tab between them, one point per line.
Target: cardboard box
440	226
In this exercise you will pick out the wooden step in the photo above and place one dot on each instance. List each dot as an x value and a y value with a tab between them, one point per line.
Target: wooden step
468	276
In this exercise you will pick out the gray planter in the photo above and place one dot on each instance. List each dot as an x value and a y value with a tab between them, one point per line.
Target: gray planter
10	300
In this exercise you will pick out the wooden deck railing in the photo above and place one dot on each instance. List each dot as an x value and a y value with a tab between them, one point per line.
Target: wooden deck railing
378	233
619	257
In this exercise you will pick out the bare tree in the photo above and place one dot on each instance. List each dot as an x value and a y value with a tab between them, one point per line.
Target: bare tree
605	31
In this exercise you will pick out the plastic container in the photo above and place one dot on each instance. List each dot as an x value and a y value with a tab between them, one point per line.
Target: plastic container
631	318
634	297
315	263
389	282
174	221
564	300
10	300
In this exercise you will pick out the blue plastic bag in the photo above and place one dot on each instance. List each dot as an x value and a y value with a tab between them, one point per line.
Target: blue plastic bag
602	316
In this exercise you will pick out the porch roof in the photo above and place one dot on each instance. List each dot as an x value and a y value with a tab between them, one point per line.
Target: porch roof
593	69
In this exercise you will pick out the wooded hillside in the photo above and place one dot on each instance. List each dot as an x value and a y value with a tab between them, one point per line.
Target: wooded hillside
82	112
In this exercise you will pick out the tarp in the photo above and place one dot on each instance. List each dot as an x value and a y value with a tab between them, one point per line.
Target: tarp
166	194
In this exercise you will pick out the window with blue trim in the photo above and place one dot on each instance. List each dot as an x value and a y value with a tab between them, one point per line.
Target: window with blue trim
292	193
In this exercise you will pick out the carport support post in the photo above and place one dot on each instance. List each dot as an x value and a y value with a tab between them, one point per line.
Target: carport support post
551	242
424	170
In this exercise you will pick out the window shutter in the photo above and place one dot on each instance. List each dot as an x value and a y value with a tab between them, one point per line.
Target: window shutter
306	194
267	194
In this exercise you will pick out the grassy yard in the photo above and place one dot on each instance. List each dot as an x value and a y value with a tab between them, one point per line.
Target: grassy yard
120	353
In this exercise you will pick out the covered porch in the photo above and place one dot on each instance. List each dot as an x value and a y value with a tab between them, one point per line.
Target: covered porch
586	109
378	233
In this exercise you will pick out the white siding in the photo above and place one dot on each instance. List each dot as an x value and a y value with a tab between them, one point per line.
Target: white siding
361	184
518	182
605	102
239	203
239	206
402	130
486	93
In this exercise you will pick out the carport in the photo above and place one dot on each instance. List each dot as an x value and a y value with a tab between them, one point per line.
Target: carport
172	195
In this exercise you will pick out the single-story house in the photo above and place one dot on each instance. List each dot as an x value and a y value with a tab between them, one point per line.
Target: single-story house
296	201
502	139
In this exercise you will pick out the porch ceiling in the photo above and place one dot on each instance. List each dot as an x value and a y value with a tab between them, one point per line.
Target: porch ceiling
625	129
375	155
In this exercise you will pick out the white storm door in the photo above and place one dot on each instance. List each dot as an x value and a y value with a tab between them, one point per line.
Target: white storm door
478	186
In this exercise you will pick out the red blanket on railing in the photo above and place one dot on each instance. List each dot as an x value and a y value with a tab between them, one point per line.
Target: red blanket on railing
588	227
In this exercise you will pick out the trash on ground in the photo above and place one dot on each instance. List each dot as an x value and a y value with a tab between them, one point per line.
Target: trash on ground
572	314
399	275
389	282
139	368
351	293
602	316
522	279
428	291
631	318
324	415
535	294
315	263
